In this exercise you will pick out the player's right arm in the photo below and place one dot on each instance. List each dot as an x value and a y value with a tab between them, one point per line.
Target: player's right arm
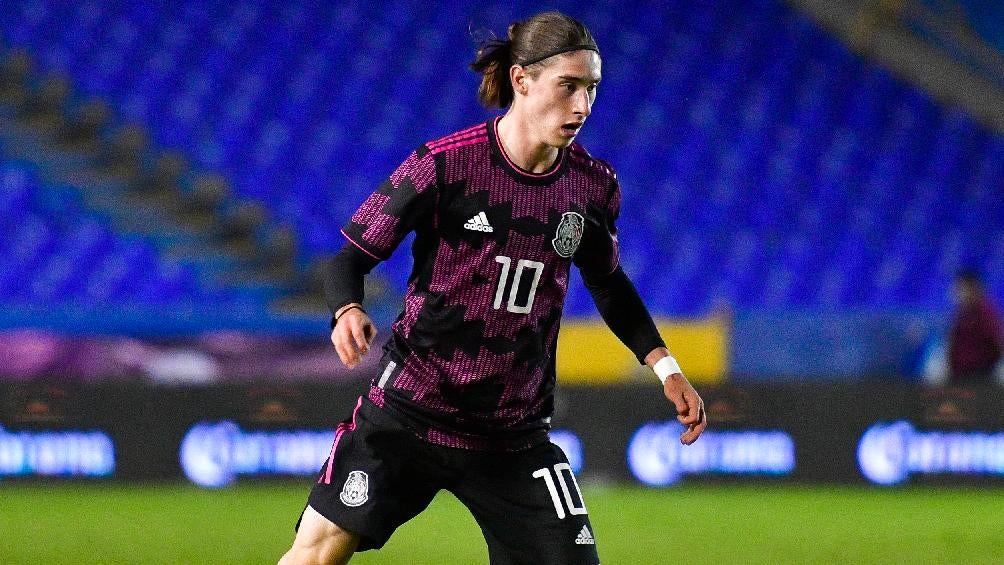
352	331
402	203
353	334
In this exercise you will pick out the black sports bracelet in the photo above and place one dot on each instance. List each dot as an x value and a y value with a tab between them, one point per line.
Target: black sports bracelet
334	319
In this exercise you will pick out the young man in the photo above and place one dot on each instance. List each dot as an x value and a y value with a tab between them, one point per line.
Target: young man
464	394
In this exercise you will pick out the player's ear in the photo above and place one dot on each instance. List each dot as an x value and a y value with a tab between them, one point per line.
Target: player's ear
517	75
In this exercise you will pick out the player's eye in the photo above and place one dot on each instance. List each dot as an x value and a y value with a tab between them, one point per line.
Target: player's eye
569	87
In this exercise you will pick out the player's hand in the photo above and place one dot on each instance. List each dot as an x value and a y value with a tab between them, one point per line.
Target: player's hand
352	336
689	407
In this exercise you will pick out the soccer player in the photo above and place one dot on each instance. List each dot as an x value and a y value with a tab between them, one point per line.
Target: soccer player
464	392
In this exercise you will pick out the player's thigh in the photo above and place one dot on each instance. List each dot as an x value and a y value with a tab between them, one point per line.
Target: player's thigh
530	508
377	477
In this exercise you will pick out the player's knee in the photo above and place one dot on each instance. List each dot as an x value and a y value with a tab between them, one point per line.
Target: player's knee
292	557
309	555
319	541
336	551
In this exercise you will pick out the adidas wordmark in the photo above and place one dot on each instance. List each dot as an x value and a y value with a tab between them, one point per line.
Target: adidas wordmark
479	223
584	537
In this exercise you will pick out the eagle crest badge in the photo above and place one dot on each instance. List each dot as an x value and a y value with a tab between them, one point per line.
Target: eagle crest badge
569	235
356	489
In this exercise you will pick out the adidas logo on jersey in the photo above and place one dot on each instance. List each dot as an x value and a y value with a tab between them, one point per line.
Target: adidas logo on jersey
479	223
584	537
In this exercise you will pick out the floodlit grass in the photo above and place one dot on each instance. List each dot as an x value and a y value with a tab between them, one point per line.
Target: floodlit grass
699	524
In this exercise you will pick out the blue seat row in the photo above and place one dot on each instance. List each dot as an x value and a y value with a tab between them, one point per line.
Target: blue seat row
763	164
58	251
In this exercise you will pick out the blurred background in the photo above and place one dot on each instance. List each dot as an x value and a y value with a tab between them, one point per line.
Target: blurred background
804	182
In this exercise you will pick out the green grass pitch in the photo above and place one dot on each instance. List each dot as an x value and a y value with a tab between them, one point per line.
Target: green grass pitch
252	523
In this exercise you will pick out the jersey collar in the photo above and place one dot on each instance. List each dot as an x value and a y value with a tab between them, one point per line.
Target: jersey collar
513	170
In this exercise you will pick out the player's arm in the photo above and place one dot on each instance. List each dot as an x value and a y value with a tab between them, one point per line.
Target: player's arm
401	204
679	391
352	330
626	315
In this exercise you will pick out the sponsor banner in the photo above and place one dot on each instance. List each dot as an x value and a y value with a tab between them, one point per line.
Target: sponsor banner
218	435
214	454
590	354
656	457
66	453
889	453
211	358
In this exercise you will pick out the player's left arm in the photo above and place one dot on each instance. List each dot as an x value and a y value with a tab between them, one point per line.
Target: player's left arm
617	299
625	314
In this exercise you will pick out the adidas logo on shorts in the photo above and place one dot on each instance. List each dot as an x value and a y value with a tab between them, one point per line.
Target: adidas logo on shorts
584	537
479	223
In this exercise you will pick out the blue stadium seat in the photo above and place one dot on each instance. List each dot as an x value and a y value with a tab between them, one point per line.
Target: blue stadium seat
763	164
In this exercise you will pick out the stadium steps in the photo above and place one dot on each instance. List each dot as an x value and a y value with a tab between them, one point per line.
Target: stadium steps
792	172
894	35
74	184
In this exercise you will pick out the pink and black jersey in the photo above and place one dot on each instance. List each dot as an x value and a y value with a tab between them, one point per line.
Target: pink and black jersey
471	358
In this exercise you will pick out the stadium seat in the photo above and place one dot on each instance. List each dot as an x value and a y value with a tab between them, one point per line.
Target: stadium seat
763	165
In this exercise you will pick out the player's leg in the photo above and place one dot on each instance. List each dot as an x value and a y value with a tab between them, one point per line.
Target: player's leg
529	507
318	541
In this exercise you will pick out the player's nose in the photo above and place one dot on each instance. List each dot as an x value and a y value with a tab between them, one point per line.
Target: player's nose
583	106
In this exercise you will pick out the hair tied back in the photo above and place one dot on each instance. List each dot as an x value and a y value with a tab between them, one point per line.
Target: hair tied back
492	50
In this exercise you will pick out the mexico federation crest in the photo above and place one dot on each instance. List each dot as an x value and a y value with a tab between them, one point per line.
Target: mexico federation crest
356	489
566	239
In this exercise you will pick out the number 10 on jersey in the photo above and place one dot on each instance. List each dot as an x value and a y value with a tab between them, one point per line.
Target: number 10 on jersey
521	265
562	470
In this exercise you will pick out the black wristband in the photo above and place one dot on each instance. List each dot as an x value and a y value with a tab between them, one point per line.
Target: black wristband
343	278
334	319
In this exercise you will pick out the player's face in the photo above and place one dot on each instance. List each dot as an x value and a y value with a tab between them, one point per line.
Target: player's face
561	97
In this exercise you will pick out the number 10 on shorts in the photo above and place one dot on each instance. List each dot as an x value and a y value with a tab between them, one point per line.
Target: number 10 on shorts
561	470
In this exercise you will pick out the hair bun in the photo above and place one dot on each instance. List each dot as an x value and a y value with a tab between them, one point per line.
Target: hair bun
529	41
513	29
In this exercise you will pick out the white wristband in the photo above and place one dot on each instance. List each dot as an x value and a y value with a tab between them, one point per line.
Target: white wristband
665	367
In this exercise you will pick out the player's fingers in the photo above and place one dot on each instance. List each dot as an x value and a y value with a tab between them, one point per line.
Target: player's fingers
692	414
343	355
346	348
675	395
358	336
689	437
694	431
370	332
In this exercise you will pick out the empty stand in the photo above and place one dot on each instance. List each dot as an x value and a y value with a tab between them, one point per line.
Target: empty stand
763	165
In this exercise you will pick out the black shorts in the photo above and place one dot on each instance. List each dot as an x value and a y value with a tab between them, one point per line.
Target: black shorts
381	474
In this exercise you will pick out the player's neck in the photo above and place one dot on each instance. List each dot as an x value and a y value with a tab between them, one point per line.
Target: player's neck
525	152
